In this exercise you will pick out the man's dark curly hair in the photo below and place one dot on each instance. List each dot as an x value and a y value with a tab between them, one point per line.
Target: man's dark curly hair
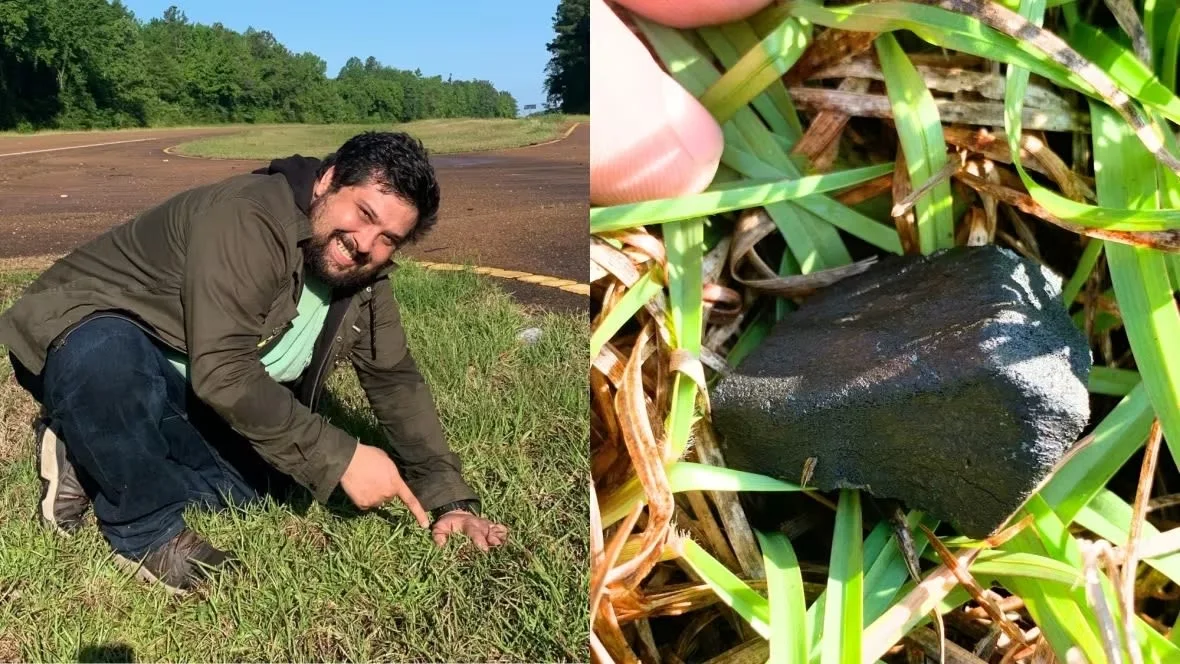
397	163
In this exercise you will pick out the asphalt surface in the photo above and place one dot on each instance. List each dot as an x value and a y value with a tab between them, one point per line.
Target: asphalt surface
522	209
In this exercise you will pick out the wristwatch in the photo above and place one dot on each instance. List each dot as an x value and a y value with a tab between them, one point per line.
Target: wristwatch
469	505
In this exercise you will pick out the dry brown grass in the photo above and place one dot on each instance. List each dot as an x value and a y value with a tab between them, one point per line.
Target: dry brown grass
17	408
28	263
17	412
10	650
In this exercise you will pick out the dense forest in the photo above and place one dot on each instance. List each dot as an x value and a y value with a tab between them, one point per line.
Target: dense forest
91	63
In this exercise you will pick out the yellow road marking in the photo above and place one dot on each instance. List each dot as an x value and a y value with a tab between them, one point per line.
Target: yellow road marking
547	281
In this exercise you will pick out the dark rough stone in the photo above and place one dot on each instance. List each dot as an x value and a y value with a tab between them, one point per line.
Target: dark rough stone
952	382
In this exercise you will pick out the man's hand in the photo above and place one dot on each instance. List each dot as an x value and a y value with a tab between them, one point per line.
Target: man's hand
371	480
486	534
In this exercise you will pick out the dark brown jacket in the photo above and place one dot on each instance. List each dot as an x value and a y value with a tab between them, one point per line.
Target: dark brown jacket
215	273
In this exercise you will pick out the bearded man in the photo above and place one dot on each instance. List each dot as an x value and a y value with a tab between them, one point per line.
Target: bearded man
180	358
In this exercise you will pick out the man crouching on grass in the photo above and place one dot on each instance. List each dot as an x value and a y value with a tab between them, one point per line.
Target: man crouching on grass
180	358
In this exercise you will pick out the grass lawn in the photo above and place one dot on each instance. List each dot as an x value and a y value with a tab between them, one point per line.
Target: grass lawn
323	584
440	137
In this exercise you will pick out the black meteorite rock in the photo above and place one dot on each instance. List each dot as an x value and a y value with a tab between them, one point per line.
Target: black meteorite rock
953	382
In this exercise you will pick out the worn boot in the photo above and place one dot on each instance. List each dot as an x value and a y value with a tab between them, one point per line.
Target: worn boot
63	502
181	564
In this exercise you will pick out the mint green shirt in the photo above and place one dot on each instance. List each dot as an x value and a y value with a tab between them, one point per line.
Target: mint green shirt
287	359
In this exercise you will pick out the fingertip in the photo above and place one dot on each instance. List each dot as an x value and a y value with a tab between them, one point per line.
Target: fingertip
650	137
693	13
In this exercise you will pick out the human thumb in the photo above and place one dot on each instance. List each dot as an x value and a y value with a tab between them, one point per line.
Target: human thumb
649	137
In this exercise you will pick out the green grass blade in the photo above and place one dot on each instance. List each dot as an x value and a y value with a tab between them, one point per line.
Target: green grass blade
1109	517
752	607
1156	24
1171	52
886	576
1113	381
1025	565
844	612
782	111
1128	71
751	337
757	69
887	572
728	42
1083	270
689	476
784	589
1120	434
1125	175
852	222
662	211
632	301
919	130
787	266
684	243
1144	294
1056	609
1156	647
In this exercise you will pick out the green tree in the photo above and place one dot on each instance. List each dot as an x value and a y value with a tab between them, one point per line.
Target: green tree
506	105
567	79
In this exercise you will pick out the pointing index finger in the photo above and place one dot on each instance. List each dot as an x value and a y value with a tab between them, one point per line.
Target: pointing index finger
411	502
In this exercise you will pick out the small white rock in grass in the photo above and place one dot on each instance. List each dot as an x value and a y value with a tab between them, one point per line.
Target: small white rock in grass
529	335
65	195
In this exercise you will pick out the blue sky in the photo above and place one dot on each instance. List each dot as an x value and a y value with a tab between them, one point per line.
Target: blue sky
502	42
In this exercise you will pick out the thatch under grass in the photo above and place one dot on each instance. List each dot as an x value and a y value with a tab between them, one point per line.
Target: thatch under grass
695	571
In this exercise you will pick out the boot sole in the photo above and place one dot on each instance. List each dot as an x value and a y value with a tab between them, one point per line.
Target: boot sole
50	472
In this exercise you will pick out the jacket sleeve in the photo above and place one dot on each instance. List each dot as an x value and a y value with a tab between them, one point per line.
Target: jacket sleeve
403	404
236	262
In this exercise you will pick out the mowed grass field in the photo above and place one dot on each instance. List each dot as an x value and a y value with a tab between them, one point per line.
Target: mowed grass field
327	583
439	136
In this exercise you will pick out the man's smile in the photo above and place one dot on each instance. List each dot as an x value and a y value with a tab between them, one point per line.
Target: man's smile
342	254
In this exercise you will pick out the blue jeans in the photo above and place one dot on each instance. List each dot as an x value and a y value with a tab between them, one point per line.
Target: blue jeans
144	446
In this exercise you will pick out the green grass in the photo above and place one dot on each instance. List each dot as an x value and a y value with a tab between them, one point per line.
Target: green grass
321	585
439	136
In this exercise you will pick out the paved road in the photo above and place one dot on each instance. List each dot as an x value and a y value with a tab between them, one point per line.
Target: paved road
523	209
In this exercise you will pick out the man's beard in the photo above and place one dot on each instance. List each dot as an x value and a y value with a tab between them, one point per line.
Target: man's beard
321	265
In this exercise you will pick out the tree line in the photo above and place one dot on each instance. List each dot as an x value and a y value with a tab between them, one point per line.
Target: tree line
79	64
